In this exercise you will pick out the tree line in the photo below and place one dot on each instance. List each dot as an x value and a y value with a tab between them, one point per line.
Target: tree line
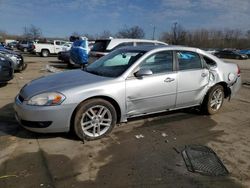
207	38
177	35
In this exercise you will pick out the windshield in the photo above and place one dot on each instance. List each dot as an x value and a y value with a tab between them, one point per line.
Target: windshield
115	63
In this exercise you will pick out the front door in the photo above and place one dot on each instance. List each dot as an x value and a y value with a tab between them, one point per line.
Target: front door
154	92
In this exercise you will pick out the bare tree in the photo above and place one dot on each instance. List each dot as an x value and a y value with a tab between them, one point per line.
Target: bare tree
32	32
75	34
248	34
178	34
105	34
132	32
207	38
2	35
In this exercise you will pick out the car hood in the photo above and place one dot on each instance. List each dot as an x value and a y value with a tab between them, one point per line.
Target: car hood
60	81
9	52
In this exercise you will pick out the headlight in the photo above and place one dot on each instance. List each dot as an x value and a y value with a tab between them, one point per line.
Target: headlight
47	99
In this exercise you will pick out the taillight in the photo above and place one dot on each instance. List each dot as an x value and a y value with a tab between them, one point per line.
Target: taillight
238	71
33	47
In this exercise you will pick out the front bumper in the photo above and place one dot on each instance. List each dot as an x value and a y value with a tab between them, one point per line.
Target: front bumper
6	74
18	63
43	119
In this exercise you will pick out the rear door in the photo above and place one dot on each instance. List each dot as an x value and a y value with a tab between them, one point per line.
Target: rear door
193	78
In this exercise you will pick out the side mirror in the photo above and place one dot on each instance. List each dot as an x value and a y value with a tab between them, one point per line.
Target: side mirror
143	72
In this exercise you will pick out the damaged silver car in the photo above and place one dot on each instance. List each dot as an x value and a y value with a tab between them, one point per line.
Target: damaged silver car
128	82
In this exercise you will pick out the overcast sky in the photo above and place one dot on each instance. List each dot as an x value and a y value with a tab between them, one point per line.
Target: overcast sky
60	18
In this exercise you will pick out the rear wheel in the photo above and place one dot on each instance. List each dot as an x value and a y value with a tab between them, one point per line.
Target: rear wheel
45	53
94	119
25	50
24	66
213	100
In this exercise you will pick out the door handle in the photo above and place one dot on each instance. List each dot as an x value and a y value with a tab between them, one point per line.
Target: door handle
169	79
204	74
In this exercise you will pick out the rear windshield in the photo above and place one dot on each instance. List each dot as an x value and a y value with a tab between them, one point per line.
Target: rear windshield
100	45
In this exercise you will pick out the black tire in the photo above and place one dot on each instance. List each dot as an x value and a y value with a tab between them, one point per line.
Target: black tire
69	65
25	50
237	57
84	113
24	66
206	105
45	53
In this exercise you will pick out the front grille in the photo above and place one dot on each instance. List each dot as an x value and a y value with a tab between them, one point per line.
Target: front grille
203	160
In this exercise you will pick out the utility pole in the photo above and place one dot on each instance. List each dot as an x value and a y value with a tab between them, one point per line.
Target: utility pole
175	33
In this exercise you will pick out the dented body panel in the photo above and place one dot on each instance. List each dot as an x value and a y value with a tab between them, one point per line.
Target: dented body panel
132	95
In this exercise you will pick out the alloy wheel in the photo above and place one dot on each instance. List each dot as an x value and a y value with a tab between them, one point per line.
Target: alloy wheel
96	121
216	100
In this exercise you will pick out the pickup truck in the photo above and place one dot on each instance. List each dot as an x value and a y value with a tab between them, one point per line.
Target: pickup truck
45	49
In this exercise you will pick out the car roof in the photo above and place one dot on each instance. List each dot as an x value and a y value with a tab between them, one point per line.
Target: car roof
168	47
116	41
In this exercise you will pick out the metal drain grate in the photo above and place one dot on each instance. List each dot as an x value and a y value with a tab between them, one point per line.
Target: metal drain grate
203	160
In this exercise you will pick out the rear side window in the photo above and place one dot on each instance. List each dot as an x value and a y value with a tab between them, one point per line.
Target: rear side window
100	45
188	60
123	44
209	62
144	44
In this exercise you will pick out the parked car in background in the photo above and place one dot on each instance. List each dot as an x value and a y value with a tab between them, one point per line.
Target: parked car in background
102	47
6	69
67	46
128	82
16	58
64	56
211	50
230	54
4	47
45	49
12	44
24	45
245	52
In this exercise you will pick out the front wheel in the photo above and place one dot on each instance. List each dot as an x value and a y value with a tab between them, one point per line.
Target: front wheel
94	119
213	100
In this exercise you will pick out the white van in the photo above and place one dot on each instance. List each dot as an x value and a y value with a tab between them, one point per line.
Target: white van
104	46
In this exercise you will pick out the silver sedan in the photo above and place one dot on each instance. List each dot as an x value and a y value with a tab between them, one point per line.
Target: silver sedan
128	82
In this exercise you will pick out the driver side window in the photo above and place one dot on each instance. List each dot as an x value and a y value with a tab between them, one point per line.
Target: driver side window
159	62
